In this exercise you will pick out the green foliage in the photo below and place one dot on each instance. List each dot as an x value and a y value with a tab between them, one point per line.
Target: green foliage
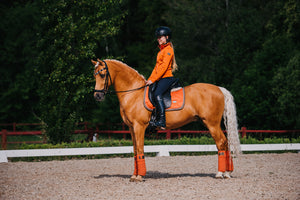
239	45
107	111
204	140
261	102
249	47
18	27
286	91
71	33
137	36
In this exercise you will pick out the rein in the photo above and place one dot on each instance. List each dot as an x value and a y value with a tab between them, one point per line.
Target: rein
122	91
110	92
107	75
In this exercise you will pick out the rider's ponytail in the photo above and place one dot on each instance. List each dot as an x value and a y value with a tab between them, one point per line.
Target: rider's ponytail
174	64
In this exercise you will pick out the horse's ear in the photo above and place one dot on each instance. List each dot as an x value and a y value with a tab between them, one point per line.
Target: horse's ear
94	62
100	61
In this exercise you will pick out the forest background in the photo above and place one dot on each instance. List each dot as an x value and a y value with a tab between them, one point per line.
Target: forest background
249	47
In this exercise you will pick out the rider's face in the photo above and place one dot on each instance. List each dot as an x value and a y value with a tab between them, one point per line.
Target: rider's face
162	40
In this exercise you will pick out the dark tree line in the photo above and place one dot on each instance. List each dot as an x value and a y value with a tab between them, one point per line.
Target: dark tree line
249	47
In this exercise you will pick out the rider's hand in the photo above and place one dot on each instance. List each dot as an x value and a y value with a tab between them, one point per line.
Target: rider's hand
149	82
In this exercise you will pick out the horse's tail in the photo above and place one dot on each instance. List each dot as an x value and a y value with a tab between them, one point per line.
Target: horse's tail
230	121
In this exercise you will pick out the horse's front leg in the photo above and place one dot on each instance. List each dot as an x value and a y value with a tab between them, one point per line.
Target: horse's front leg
139	158
134	176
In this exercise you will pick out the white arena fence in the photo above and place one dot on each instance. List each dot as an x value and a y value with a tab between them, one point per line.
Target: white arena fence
161	150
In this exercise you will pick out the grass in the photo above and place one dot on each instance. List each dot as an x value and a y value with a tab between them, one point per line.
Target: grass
79	142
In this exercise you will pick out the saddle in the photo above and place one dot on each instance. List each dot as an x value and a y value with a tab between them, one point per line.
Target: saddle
173	98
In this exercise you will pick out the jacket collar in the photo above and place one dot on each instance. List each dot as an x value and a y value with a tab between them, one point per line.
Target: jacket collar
163	45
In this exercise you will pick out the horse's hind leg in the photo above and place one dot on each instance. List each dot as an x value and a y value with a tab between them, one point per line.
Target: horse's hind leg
219	137
223	153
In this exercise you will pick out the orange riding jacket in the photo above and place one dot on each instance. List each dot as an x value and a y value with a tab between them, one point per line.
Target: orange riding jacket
164	60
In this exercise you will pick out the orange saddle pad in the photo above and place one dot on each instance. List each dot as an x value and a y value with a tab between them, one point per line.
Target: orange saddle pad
177	99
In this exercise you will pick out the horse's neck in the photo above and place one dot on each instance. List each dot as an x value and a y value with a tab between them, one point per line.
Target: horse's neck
125	78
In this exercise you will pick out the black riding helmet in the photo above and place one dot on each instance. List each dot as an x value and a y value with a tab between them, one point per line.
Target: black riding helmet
163	31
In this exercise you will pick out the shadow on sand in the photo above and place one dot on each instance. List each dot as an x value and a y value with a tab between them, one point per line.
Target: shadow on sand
156	175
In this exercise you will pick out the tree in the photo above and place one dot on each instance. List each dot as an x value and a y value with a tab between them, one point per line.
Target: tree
18	27
240	45
249	47
286	92
138	36
72	32
261	106
197	28
256	83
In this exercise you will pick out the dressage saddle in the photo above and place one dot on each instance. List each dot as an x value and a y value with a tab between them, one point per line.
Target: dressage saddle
166	95
167	102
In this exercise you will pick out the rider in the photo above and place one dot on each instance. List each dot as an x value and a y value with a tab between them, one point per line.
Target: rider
162	72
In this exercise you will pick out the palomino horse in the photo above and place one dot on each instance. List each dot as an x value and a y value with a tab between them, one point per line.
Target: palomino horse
202	101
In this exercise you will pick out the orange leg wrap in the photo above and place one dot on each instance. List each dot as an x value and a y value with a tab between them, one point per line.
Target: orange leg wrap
229	162
141	164
135	167
221	161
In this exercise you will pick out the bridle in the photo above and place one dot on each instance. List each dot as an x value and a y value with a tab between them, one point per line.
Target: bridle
107	79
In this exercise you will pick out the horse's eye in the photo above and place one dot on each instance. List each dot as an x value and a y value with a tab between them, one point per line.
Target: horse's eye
102	75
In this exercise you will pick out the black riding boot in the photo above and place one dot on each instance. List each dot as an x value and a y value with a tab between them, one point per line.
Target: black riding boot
160	107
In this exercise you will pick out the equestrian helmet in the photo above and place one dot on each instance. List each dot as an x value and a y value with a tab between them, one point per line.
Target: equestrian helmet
163	31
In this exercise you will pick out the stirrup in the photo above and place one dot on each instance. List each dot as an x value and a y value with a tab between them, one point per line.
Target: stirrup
152	123
160	124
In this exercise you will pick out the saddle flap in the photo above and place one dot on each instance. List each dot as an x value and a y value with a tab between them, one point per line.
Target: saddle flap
166	96
176	100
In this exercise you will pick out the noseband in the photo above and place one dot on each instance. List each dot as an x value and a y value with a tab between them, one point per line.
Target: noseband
106	75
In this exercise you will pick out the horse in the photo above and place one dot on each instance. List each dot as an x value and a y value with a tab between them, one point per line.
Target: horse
203	101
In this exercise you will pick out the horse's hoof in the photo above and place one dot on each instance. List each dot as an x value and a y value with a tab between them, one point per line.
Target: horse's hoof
132	178
226	175
219	175
139	178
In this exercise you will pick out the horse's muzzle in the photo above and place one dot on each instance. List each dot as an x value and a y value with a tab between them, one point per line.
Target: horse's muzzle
99	96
